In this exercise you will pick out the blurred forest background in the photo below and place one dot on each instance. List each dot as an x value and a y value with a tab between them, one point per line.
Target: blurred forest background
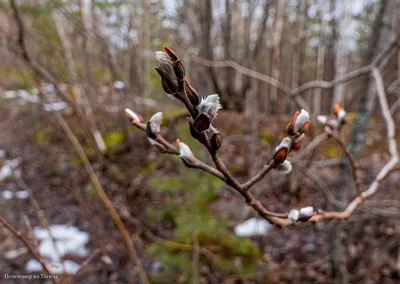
69	68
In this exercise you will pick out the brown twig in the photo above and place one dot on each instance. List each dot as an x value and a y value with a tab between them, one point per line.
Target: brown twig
246	186
353	163
171	149
87	261
103	196
39	213
386	169
22	238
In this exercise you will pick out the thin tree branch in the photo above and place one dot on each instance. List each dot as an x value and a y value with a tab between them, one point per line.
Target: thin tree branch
21	237
353	163
171	149
386	169
40	214
246	186
103	196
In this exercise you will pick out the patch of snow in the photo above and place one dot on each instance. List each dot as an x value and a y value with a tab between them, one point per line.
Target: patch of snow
252	227
55	106
55	268
13	254
119	85
8	167
7	194
69	240
22	194
48	88
23	95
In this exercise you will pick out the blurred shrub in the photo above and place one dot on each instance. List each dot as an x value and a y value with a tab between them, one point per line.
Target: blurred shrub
185	205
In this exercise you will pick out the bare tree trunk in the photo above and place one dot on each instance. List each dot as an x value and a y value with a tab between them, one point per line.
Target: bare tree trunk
296	73
367	100
321	57
277	36
82	102
341	51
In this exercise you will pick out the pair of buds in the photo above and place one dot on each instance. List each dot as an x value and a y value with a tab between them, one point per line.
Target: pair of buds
302	215
153	129
173	78
338	119
175	84
295	129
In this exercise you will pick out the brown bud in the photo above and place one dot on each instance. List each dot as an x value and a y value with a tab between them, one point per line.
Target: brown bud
192	94
216	141
202	122
169	86
290	127
150	132
305	126
296	145
196	135
336	109
179	69
280	156
172	55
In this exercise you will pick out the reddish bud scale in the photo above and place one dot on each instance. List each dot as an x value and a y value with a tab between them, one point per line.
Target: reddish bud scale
179	70
216	141
336	109
202	122
280	156
172	55
290	127
192	94
196	135
296	145
305	127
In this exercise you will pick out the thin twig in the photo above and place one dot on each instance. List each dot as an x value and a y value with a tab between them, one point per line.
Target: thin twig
386	169
103	196
353	163
171	149
21	237
246	186
87	261
40	214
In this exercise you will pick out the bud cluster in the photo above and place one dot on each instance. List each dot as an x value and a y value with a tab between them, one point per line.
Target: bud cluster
207	111
337	120
173	79
302	215
295	129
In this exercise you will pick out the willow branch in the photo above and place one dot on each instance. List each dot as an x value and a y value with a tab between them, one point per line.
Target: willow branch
386	169
246	186
171	149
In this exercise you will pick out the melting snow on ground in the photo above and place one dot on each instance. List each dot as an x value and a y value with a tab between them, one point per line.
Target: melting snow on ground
252	227
7	169
55	106
69	240
8	194
23	96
